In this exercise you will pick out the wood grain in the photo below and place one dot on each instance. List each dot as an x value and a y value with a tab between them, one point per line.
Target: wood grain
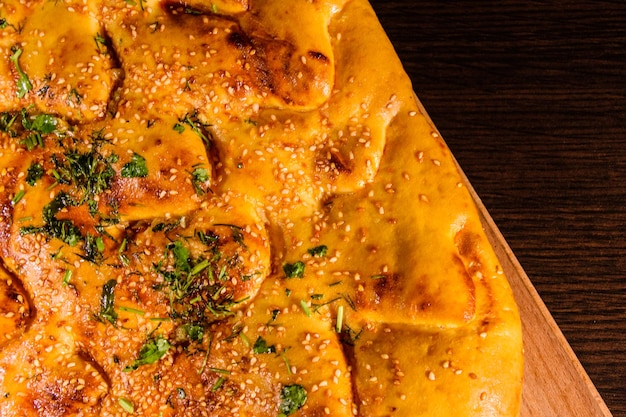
555	382
531	98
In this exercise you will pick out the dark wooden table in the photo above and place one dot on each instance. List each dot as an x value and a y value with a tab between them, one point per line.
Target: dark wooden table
531	98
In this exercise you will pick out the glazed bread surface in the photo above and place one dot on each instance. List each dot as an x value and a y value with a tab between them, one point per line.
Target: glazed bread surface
235	208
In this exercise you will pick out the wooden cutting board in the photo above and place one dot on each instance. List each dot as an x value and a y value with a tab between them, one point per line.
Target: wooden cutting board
555	383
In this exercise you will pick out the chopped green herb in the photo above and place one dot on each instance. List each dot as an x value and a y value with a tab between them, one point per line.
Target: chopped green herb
349	336
275	314
248	277
67	276
244	339
43	90
260	346
189	10
32	141
236	232
195	285
194	332
18	196
316	307
199	179
294	270
74	97
349	300
6	123
126	404
201	266
283	354
121	255
192	120
35	126
136	168
166	227
379	276
208	238
41	123
90	172
218	384
65	230
293	397
236	330
179	128
305	308
100	42
93	246
220	371
339	324
23	83
34	173
107	300
181	256
132	310
153	350
318	251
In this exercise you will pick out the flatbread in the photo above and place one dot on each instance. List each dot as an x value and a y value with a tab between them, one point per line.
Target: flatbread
235	208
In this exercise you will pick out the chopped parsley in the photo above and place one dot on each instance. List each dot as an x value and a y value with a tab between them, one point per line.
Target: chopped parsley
194	332
261	346
101	43
74	97
191	120
136	168
196	286
23	83
107	299
90	172
65	230
6	123
93	247
41	123
34	173
36	126
179	127
292	398
319	251
199	179
153	350
294	270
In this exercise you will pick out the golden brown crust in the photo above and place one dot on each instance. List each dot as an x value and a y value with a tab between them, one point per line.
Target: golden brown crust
226	208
